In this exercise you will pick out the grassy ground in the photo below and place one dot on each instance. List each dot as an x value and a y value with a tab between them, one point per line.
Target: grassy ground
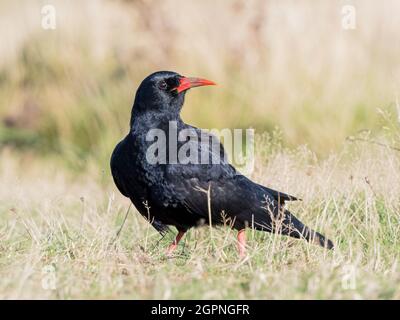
60	229
287	68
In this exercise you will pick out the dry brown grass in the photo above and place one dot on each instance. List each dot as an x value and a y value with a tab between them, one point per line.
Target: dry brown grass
288	64
65	100
52	219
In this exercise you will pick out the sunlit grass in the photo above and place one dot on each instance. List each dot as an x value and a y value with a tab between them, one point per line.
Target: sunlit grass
52	218
71	92
285	68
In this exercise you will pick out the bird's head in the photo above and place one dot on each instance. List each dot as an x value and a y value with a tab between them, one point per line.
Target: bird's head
164	92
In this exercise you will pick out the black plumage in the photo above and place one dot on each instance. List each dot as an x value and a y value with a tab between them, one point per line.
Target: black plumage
187	195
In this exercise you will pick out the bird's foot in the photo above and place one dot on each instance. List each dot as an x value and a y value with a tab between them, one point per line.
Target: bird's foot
174	244
171	249
242	244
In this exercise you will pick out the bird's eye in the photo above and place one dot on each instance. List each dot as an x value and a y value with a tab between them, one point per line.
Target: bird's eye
162	85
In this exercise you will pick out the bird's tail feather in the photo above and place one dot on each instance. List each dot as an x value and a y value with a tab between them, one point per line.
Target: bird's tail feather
290	226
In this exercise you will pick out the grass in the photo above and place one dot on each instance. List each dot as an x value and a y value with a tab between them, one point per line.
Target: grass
69	91
54	219
324	97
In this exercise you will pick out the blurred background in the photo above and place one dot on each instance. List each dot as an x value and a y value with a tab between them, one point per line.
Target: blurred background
282	66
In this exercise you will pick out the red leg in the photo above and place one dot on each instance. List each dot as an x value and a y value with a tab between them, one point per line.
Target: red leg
242	243
174	243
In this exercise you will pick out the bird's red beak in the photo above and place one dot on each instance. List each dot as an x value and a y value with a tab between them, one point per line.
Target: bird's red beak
187	83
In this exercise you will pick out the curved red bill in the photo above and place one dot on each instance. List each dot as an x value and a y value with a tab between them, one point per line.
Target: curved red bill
187	83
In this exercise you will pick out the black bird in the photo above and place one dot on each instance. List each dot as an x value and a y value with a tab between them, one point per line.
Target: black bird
186	195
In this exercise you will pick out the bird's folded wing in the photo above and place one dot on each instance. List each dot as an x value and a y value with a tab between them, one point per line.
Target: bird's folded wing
220	194
214	190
